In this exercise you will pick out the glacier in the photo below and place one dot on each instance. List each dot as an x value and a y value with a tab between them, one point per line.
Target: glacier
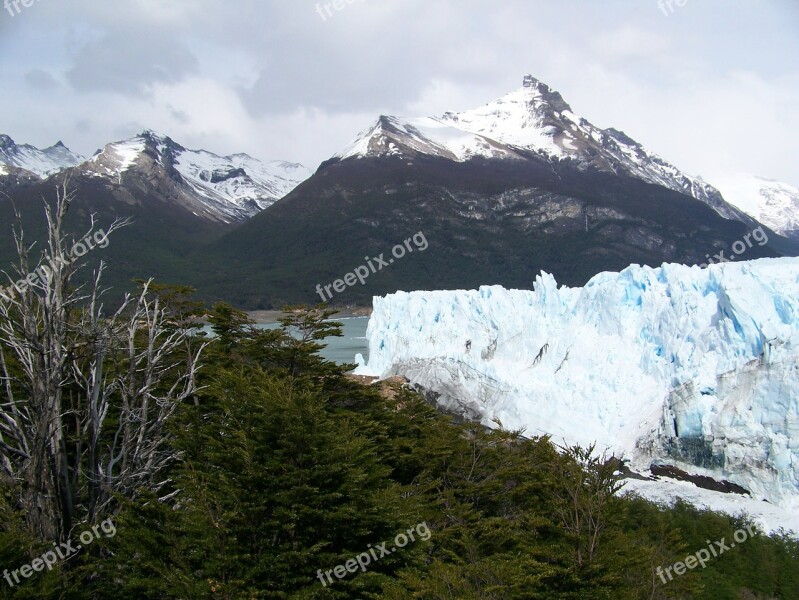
688	366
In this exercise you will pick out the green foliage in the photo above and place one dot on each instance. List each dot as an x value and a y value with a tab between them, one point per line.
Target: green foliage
289	467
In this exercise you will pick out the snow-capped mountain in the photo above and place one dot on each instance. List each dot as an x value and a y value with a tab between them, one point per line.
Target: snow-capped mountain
240	178
697	368
395	136
222	188
231	188
177	200
773	203
503	192
115	158
41	162
533	119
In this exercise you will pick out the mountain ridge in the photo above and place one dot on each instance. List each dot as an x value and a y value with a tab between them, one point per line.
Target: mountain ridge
227	188
531	119
42	163
501	193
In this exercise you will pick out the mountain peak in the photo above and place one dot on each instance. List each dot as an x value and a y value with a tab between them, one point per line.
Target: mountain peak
773	203
530	117
239	156
223	188
41	162
530	81
404	137
154	136
531	121
547	99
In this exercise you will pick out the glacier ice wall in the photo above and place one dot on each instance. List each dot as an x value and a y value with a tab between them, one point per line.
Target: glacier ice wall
688	366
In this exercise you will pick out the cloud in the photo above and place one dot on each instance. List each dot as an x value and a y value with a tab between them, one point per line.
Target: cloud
40	80
131	62
704	87
630	42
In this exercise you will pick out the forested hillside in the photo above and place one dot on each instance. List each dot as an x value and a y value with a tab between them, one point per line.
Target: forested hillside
163	464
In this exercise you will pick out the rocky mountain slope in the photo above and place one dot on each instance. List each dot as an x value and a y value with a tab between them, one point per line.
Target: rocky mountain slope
41	162
179	200
501	192
229	189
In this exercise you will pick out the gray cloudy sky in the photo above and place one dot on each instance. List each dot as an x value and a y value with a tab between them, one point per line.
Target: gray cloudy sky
712	86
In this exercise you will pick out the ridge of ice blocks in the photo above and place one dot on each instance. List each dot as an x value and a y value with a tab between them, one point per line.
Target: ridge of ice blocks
693	367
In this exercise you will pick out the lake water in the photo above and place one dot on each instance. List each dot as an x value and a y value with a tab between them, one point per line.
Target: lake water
343	349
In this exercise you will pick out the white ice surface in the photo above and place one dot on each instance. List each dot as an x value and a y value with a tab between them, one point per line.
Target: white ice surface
634	361
768	517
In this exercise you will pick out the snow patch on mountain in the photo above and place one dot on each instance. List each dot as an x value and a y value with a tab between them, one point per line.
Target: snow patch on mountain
397	136
773	203
41	162
117	157
233	188
532	121
239	178
520	119
693	367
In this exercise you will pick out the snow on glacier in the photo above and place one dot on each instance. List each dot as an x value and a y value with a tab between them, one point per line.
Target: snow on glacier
693	367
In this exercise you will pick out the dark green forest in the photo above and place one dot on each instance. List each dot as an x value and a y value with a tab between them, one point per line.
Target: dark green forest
287	466
142	459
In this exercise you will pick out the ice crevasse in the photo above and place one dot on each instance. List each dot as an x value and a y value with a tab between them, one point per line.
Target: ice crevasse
693	367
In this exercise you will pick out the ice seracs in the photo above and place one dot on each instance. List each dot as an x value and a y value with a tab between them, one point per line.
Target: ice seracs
693	367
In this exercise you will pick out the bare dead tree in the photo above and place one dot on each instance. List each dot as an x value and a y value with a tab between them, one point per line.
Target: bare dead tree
86	396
